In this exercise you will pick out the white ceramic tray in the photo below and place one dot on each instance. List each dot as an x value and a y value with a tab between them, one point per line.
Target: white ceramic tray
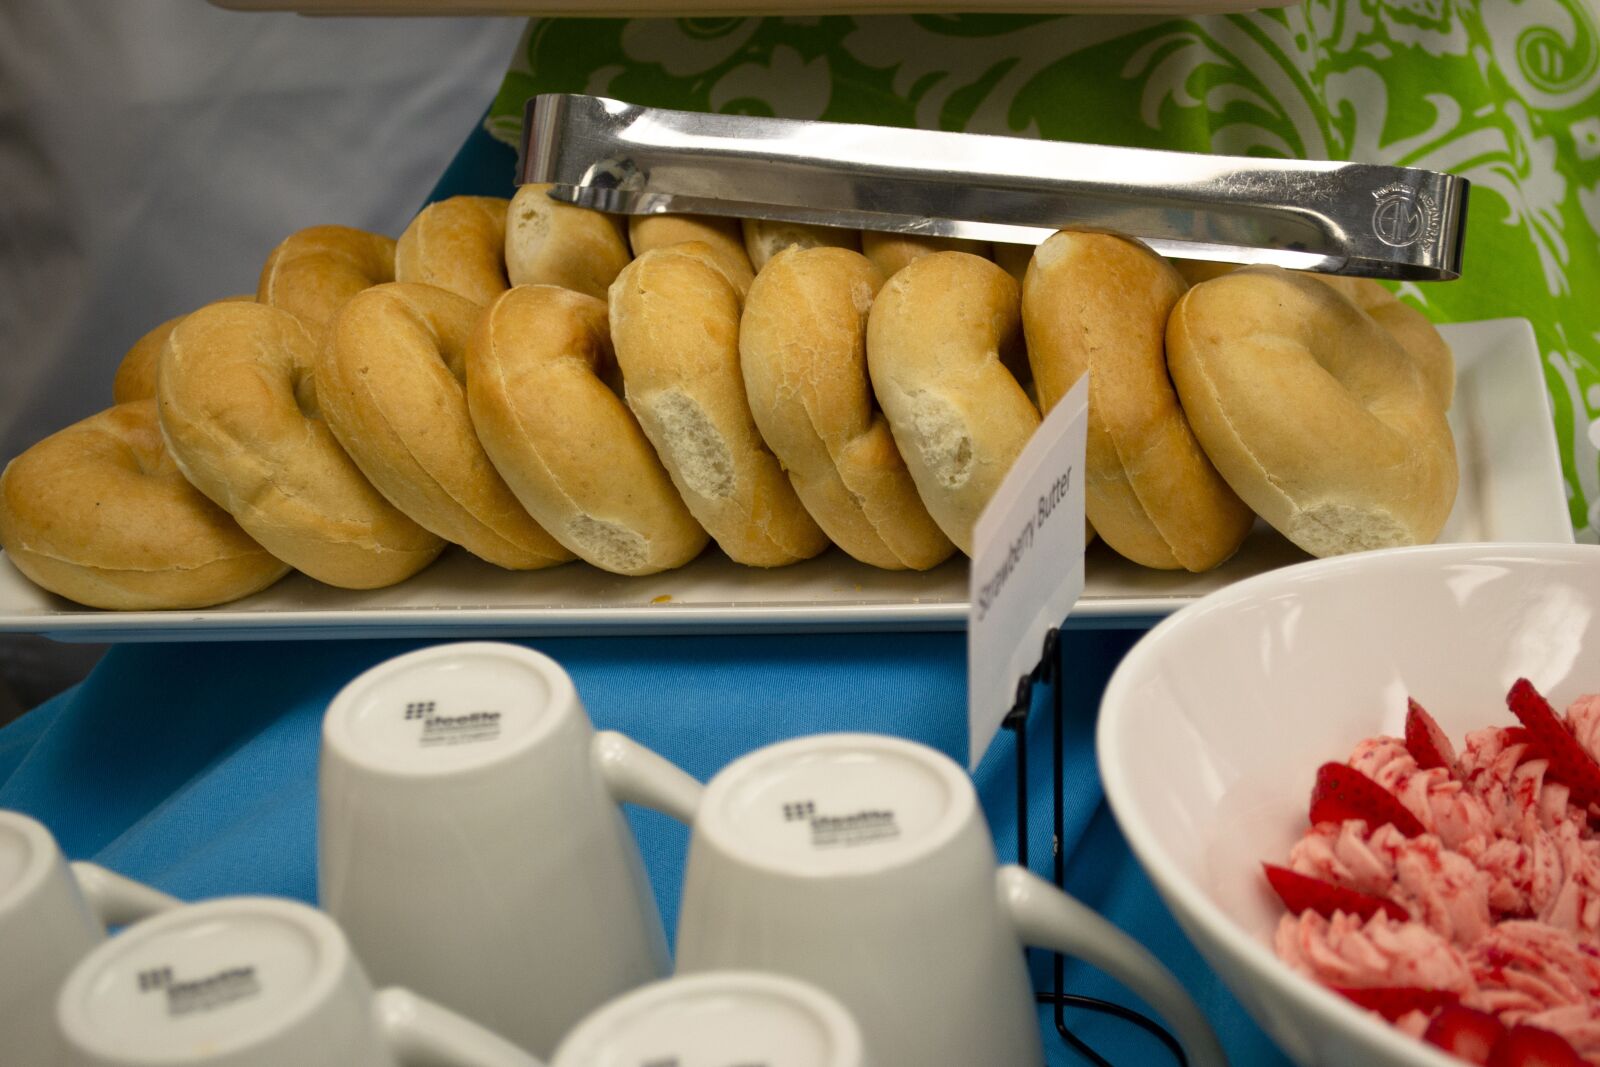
1511	490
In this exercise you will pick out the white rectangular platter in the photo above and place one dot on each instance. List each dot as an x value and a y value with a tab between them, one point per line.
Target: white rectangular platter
1511	490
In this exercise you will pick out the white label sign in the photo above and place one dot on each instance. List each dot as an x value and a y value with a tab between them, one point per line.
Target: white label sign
1027	565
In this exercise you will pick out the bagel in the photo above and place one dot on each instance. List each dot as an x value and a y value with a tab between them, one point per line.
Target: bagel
390	381
723	237
552	243
136	374
240	416
1099	303
675	325
566	443
1416	334
765	238
1313	412
891	252
935	340
312	273
803	352
457	244
99	513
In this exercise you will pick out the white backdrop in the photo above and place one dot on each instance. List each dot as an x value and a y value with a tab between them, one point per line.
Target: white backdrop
153	152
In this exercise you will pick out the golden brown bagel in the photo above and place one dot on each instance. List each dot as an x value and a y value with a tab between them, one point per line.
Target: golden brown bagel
803	351
457	244
390	378
675	325
136	374
891	252
723	236
567	445
1312	411
764	238
1416	334
552	243
934	344
99	513
1099	303
313	272
239	413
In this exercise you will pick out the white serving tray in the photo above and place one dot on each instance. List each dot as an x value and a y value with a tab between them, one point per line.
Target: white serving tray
1511	490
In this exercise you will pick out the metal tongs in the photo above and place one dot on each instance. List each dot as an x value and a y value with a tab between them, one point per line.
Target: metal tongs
1338	218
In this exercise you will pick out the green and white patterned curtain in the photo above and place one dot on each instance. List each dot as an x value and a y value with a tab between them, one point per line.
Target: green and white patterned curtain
1503	92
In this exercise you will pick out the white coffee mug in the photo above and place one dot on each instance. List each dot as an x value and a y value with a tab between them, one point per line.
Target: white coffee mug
51	914
863	864
472	844
253	982
714	1020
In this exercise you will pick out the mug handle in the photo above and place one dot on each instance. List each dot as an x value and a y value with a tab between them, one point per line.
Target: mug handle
117	901
1045	917
421	1033
635	775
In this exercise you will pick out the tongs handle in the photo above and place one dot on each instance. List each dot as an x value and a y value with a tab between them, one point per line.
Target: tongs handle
1341	218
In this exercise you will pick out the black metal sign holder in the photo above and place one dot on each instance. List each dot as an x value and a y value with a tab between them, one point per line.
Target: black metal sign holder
1048	672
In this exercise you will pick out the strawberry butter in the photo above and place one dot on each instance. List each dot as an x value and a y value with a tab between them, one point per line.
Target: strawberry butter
1458	895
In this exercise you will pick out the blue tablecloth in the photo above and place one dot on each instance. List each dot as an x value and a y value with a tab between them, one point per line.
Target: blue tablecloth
193	767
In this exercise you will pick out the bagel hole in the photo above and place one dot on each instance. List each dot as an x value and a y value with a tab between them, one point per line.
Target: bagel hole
609	371
454	358
305	393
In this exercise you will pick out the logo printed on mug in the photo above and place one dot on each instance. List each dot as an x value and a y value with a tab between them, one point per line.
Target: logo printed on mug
924	918
201	994
833	831
173	991
452	728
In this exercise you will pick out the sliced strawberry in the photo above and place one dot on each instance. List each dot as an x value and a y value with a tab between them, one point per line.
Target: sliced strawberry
1301	891
1465	1032
1516	735
1343	792
1569	763
1427	743
1529	1046
1394	1001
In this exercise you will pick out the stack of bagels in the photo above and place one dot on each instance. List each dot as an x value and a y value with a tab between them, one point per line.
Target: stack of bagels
538	384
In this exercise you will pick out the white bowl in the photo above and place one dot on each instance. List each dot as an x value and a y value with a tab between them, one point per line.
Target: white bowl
1212	729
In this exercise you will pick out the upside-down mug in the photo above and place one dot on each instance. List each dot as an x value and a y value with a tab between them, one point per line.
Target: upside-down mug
52	914
716	1019
863	864
472	844
253	982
